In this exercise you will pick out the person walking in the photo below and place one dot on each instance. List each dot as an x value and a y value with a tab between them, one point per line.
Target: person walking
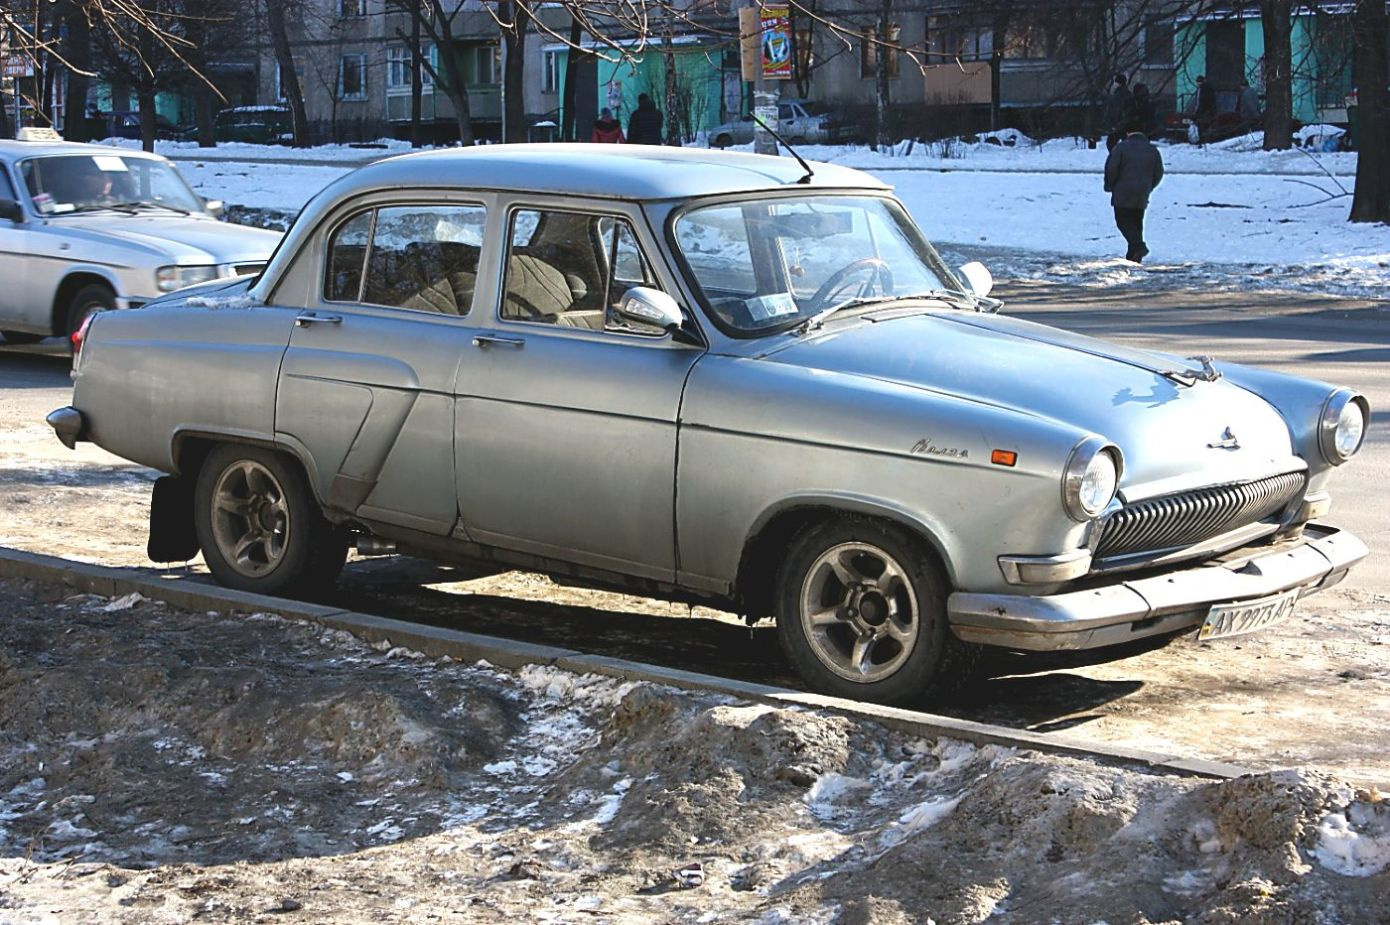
607	130
1248	106
644	125
1132	170
1144	110
1204	110
1119	111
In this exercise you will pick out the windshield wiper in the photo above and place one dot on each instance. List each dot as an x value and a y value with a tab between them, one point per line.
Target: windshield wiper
817	321
101	207
959	299
146	204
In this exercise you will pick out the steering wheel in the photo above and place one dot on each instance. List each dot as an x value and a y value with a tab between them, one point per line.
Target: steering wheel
839	283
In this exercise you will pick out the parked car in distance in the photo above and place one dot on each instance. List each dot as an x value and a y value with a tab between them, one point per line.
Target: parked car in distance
798	121
118	124
715	377
263	125
90	227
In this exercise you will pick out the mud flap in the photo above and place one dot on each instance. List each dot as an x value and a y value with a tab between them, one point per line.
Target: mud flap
172	538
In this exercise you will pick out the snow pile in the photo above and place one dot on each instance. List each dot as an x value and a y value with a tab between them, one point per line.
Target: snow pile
1355	840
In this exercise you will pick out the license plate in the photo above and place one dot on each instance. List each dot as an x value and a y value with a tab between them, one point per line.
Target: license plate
1247	616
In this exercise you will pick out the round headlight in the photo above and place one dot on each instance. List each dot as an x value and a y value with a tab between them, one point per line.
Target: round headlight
1343	426
1090	480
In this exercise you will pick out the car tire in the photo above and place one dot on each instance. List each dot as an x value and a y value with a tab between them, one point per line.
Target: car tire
861	613
723	140
91	298
259	526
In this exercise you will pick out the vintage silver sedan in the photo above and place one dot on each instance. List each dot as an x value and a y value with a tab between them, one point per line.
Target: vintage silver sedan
88	227
716	377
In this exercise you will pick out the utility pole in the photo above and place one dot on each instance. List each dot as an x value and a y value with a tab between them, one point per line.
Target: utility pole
751	55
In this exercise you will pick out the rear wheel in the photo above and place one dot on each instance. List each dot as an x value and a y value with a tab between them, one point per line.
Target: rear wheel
259	526
861	613
91	298
723	140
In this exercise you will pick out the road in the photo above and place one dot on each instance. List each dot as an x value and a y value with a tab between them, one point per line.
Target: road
1314	692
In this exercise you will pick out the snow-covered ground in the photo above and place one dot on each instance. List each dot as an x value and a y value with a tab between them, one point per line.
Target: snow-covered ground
1227	214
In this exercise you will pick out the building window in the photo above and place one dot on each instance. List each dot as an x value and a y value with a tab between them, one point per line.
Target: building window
550	72
352	77
487	64
1158	45
879	46
398	69
280	95
353	9
956	37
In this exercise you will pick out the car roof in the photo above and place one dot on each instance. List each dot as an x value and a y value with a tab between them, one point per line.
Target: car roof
17	150
631	172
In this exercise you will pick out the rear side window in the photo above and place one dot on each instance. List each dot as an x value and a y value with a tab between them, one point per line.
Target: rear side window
419	257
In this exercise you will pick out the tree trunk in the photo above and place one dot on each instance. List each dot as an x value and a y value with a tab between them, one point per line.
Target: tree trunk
567	132
77	48
1276	18
289	79
882	100
1000	25
514	73
145	95
417	83
1370	36
673	127
205	105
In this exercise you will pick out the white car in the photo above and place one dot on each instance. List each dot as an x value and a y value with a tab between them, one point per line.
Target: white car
798	121
85	228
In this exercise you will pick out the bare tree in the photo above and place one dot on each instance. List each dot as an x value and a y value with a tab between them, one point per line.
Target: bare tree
1276	21
1371	38
289	78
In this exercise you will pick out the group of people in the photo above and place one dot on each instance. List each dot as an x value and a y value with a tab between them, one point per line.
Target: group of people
643	126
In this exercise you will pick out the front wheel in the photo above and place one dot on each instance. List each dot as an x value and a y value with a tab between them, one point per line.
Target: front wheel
260	528
88	300
861	613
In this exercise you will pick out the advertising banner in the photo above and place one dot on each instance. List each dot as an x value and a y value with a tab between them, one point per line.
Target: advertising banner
776	42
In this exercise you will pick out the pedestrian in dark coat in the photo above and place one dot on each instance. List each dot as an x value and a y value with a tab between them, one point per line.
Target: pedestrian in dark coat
1119	111
644	125
607	130
1204	112
1144	110
1132	171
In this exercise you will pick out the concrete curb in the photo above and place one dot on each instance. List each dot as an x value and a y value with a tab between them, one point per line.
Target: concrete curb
190	592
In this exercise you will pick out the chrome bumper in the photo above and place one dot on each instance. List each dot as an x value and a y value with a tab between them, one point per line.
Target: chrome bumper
69	424
1124	610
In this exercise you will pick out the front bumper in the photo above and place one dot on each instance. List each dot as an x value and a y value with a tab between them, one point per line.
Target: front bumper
1121	610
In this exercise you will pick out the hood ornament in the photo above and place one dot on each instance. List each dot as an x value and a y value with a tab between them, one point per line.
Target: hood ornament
1228	441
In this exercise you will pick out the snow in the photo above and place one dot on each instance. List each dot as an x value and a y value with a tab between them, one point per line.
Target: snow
1226	214
1355	841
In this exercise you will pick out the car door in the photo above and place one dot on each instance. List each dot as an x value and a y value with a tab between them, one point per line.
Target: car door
15	312
566	419
366	389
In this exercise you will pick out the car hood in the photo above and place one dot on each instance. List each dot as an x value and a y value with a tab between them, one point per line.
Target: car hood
1170	433
185	239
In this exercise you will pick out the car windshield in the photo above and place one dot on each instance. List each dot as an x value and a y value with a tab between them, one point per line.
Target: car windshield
70	183
776	263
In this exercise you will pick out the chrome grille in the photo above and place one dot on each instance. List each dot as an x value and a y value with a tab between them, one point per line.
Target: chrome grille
1182	519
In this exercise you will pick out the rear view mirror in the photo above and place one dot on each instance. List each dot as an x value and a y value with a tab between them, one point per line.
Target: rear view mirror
977	278
11	210
644	305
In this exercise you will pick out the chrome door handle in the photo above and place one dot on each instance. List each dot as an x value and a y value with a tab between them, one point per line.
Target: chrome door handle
308	318
498	340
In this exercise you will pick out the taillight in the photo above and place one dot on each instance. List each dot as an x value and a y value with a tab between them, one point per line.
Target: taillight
80	334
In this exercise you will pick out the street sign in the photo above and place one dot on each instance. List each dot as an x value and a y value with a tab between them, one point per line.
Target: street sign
18	66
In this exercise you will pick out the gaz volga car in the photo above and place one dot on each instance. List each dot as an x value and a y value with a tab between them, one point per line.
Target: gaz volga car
89	227
714	377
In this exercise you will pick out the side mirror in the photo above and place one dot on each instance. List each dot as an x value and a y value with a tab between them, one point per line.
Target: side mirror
977	277
11	210
215	206
652	307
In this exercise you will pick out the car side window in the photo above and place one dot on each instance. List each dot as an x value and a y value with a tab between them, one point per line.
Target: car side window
6	188
419	257
571	269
